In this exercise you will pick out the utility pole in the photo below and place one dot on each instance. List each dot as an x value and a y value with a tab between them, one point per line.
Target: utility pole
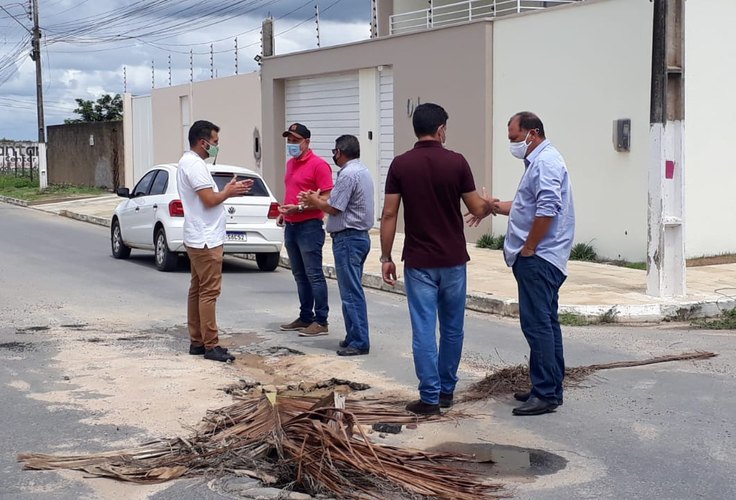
666	266
36	56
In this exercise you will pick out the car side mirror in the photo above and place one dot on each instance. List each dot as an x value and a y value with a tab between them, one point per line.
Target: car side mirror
124	192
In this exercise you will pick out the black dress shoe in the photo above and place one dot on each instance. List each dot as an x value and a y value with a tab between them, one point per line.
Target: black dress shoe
445	400
419	407
524	396
352	351
534	406
344	343
218	353
196	350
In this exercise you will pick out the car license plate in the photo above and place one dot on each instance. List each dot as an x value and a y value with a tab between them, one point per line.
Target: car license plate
237	236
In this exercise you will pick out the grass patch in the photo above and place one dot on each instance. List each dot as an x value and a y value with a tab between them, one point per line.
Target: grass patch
488	240
583	251
625	263
727	321
710	260
635	265
572	319
24	188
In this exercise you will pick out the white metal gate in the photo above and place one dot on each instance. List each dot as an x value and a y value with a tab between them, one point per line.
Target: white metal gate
329	107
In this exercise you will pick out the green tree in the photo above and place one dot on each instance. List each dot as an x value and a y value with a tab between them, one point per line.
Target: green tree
107	108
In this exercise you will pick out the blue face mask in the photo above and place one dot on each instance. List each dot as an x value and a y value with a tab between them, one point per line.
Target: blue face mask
293	150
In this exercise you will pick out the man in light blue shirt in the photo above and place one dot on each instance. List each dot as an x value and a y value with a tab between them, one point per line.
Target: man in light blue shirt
350	207
537	247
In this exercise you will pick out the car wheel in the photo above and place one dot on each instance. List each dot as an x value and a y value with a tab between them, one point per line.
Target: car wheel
119	249
267	261
165	260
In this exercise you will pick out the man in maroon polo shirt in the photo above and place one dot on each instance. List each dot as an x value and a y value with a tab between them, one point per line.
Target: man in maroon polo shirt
431	181
304	235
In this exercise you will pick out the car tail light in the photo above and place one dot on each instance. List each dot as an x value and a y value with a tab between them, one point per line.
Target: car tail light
176	209
273	211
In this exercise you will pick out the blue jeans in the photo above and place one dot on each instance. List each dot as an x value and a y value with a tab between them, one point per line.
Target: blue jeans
432	293
350	248
304	242
539	284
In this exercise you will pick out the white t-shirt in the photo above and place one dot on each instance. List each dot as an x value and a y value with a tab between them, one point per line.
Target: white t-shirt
202	226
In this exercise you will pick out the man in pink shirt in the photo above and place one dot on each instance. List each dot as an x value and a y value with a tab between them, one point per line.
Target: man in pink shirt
304	234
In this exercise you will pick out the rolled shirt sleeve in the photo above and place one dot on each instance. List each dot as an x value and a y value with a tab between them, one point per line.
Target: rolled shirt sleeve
549	190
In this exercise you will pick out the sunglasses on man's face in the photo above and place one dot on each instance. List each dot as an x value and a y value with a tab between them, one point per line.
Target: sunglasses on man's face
334	151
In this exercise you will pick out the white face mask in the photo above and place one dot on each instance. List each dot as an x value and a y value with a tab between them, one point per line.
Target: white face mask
518	149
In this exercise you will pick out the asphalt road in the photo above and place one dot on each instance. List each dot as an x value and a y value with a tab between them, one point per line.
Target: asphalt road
662	431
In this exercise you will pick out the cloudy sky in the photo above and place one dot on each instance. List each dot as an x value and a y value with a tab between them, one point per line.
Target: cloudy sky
87	44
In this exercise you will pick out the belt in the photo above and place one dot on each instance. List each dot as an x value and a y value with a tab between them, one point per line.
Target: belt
348	231
286	222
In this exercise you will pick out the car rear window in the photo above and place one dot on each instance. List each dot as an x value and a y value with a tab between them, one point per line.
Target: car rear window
258	189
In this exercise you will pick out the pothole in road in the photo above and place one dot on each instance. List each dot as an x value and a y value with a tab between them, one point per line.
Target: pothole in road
318	389
18	346
241	340
273	351
506	461
137	338
31	329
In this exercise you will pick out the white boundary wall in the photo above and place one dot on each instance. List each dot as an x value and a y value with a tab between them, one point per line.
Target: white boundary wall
710	115
579	68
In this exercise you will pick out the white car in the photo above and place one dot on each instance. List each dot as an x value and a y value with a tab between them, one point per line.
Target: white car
152	218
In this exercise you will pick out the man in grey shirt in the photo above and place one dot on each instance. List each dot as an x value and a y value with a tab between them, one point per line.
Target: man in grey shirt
350	207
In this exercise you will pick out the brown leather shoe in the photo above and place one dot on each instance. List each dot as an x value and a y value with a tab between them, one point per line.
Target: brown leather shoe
297	324
313	330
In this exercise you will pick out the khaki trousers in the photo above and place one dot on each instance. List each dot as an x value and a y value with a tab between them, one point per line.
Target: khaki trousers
206	264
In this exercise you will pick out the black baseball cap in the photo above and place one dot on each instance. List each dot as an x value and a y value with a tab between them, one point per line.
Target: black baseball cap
298	130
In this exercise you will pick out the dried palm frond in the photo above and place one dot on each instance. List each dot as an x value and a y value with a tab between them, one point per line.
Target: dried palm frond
516	378
317	445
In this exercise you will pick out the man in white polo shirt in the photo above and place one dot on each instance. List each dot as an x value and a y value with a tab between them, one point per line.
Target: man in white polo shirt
204	236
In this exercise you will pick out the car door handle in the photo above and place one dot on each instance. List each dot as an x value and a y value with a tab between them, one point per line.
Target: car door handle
137	209
155	207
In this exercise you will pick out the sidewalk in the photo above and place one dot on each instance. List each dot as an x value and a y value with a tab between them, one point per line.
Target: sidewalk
591	289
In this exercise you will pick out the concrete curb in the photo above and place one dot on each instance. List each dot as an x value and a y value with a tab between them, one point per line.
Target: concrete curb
92	219
487	303
653	313
14	201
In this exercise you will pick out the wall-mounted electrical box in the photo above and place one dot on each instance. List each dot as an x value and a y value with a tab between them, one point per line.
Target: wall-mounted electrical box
622	134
